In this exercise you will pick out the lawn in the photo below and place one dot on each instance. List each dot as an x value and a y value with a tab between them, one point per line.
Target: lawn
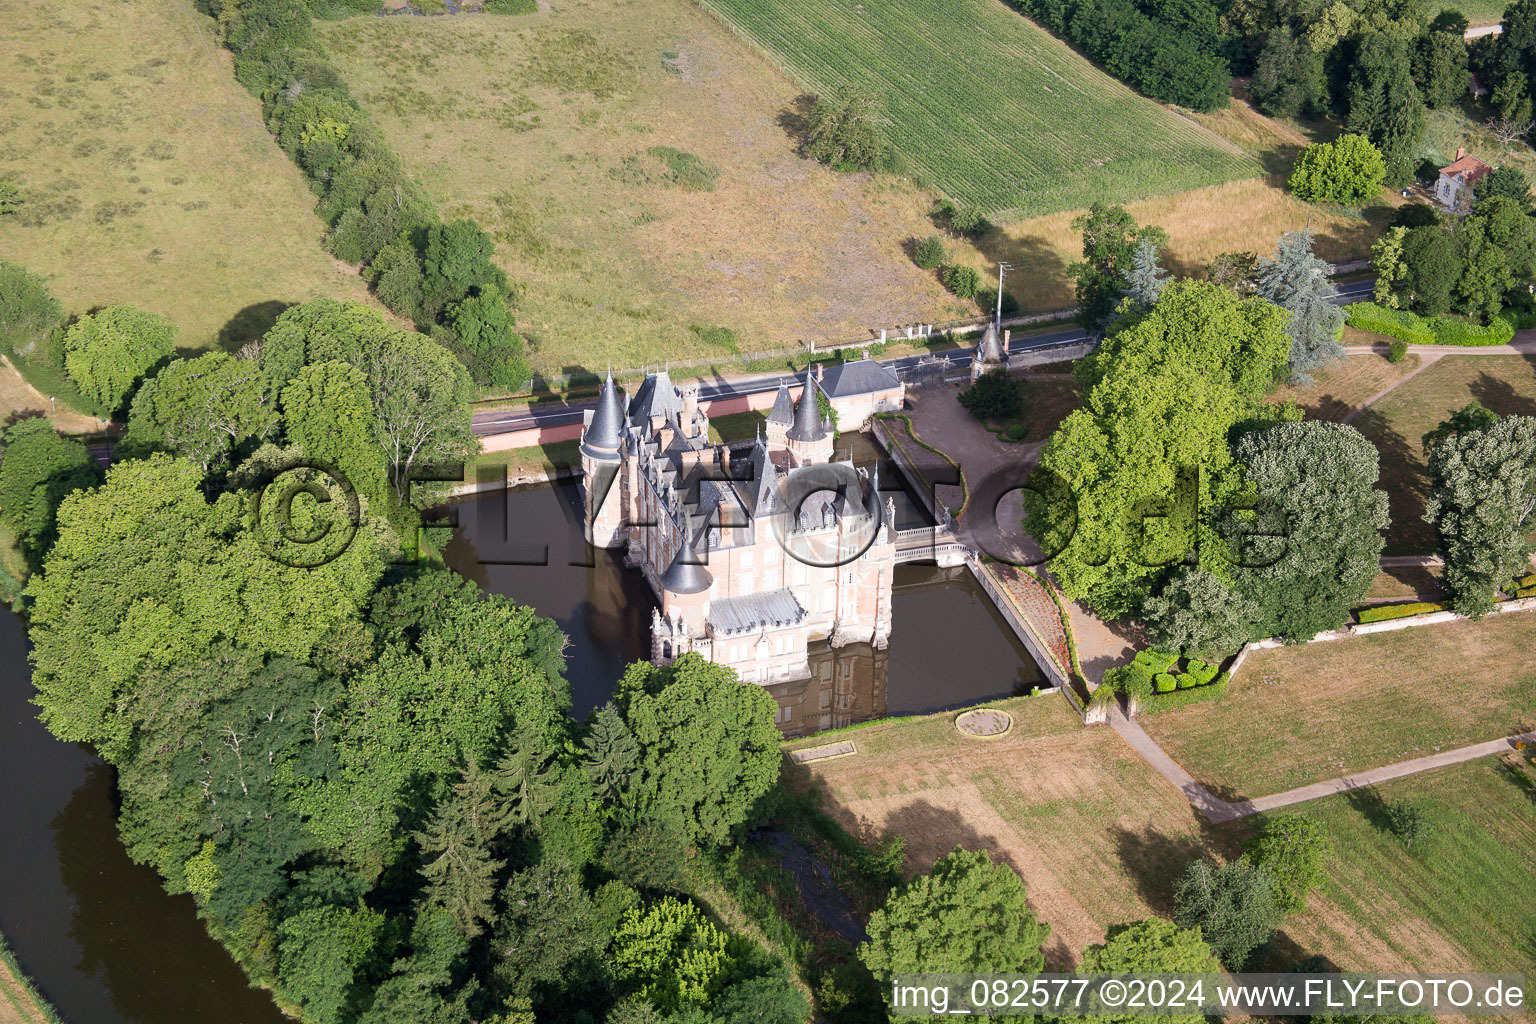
1398	423
19	1001
989	108
149	175
1352	381
1095	833
547	129
1298	715
1462	900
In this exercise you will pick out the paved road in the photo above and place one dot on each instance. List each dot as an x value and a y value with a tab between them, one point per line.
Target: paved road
508	420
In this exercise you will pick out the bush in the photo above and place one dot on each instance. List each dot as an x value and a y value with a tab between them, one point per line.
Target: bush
1384	612
962	280
1182	698
1347	170
1185	681
994	396
1164	682
1155	661
27	310
512	6
986	298
1016	432
929	253
1397	351
1462	332
1394	323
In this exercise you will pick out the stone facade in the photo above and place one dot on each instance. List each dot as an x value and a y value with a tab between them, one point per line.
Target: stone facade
752	554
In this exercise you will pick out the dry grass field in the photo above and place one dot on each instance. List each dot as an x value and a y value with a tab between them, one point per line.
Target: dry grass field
543	127
1336	391
1398	423
18	1003
149	175
1297	715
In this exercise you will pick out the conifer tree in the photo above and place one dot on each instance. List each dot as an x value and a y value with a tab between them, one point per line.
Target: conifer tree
1297	281
1144	279
456	860
612	755
524	778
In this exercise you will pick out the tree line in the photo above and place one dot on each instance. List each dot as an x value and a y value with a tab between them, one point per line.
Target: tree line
439	275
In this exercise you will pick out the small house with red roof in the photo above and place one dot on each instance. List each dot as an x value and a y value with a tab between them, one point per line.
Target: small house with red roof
1454	189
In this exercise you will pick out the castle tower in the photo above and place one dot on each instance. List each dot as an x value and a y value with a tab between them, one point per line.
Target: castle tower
809	437
991	353
685	590
602	486
780	418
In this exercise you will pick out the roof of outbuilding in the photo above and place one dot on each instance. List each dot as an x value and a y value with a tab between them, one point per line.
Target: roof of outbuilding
861	377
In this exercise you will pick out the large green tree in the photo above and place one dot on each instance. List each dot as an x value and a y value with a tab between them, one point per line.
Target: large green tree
1233	906
1150	946
456	844
1347	170
107	353
1128	477
203	408
1295	852
1482	496
968	914
1110	237
329	414
39	470
708	745
1384	104
1298	282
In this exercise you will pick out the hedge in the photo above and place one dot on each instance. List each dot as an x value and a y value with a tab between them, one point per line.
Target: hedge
1183	698
1149	681
1381	613
1417	330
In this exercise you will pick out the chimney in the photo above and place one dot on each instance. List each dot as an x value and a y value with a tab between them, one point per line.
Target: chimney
1461	151
821	369
1006	334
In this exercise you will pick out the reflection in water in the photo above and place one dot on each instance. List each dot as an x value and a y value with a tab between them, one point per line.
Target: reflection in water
527	545
104	941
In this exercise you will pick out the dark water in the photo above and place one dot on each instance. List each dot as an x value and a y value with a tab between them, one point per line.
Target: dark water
107	945
103	940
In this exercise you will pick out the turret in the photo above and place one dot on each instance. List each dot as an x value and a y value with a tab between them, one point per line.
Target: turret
602	488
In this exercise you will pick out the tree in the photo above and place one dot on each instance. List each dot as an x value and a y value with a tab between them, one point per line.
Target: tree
1288	76
456	861
1512	110
1152	946
929	253
1129	475
107	352
493	351
39	470
1483	492
766	1000
1232	905
1347	170
1316	482
1472	416
1298	282
993	396
323	952
1144	279
1109	241
1409	822
1388	264
1440	67
524	777
1199	613
1433	265
1384	105
967	915
708	745
457	263
1509	182
844	132
611	756
203	408
1498	252
1234	270
148	573
420	404
670	954
964	281
329	415
547	922
1294	851
27	310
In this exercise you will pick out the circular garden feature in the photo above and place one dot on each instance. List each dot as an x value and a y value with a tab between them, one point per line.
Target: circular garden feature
984	723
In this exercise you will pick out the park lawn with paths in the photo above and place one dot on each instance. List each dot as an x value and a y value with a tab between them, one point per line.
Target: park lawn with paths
1398	422
1297	715
1096	834
986	106
543	128
1460	900
149	176
1338	388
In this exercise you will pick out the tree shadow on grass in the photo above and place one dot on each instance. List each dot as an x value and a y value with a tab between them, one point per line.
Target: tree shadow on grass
250	324
1155	862
1500	396
1030	259
795	119
1404	479
1372	806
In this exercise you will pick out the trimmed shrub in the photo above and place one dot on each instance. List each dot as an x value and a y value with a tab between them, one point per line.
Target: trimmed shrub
1016	432
1381	613
963	281
1155	661
1394	323
1185	681
929	253
1462	332
1397	351
1183	698
1165	683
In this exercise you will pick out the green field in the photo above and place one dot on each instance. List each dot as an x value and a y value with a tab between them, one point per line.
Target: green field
987	107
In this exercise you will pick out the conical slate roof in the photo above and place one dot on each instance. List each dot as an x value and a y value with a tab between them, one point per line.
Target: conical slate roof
872	501
686	574
990	348
783	407
604	430
807	417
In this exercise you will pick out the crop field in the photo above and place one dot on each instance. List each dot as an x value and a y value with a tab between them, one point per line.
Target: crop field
987	107
149	176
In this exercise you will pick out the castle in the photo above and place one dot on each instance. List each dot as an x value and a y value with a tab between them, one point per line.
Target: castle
752	553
